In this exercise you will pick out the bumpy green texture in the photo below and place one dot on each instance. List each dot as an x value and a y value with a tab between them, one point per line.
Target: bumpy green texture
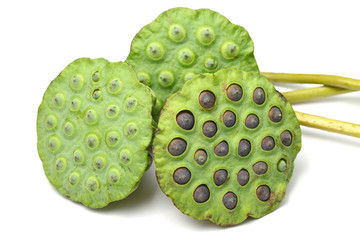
225	147
182	42
94	126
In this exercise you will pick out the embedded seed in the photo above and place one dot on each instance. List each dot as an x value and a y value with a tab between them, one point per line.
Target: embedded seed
275	114
210	63
268	143
252	121
259	96
243	177
185	119
182	175
260	168
263	193
166	78
200	156
209	129
229	50
229	118
220	177
176	32
222	149
244	148
286	137
205	35
186	56
229	200
282	166
155	51
95	76
177	146
96	94
207	99
201	194
234	92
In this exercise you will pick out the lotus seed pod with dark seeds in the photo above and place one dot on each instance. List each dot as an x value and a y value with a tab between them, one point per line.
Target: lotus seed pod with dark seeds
93	128
240	171
183	42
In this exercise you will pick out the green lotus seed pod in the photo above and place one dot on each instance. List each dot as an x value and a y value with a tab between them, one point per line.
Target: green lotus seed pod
82	127
183	42
232	160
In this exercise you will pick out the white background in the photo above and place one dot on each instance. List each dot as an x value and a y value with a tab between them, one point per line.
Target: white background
40	38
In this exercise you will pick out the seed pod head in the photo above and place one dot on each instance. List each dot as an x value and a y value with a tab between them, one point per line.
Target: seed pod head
82	131
184	42
238	156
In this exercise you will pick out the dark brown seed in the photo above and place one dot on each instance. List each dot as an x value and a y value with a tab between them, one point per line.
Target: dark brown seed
207	99
259	96
260	168
222	149
229	200
252	121
209	129
234	92
185	119
244	148
200	156
268	143
243	177
229	118
182	175
177	146
275	114
263	193
201	194
220	177
286	137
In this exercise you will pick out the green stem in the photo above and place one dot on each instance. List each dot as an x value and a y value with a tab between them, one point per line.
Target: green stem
327	124
329	80
308	94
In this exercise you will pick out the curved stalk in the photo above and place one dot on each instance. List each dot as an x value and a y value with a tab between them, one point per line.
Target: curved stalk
329	125
329	80
308	94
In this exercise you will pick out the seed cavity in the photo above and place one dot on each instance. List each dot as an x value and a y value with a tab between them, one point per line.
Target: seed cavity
166	78
205	35
275	114
286	138
260	168
209	129
263	193
91	117
234	92
95	76
78	156
113	175
220	177
112	138
210	63
244	148
53	144
222	149
243	177
186	57
229	50
252	121
144	78
259	96
176	32
229	200
74	105
268	143
229	118
92	184
177	146
58	100
282	165
155	51
200	156
182	175
92	141
50	122
69	129
112	111
99	162
201	194
96	95
76	82
60	164
114	86
131	130
74	178
185	119
188	76
125	156
130	104
207	99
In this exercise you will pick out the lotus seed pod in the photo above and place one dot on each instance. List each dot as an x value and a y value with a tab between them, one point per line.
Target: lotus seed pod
182	42
82	129
240	170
